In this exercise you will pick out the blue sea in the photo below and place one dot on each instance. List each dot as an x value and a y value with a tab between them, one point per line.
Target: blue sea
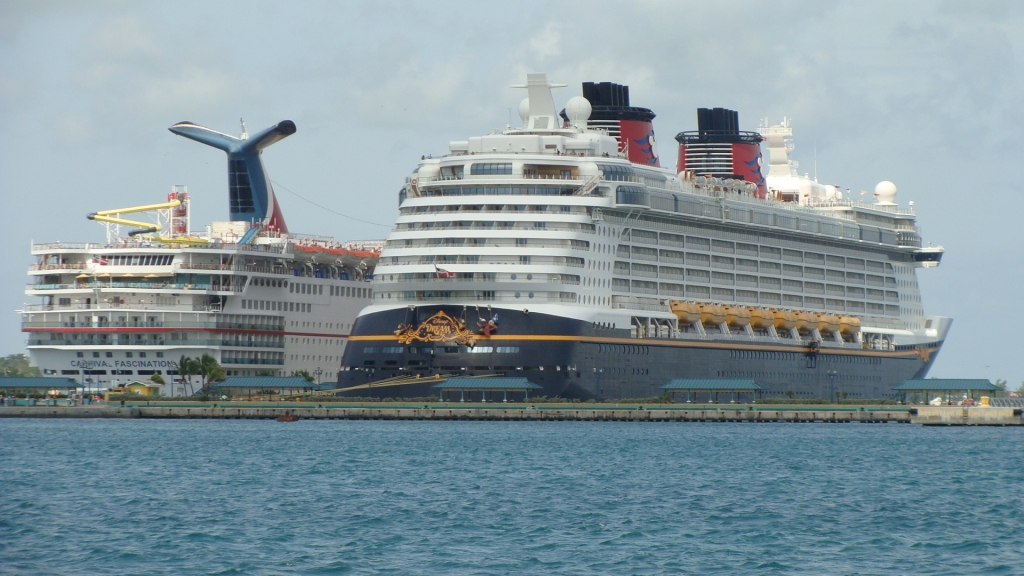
369	497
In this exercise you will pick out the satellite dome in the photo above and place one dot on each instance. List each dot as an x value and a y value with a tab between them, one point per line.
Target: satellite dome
578	110
588	169
885	193
524	110
429	171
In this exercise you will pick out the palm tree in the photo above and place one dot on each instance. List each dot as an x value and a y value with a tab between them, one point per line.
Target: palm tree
210	370
187	367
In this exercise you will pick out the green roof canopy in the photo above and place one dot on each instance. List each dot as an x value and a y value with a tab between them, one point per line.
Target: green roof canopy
496	383
24	382
267	382
712	384
945	384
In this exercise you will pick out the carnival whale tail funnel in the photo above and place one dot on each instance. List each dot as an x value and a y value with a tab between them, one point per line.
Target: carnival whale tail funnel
251	196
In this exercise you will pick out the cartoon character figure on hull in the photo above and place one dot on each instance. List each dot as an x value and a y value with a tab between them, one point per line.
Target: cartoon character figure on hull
576	261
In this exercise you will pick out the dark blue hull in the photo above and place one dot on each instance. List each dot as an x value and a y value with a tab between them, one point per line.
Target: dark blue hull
573	359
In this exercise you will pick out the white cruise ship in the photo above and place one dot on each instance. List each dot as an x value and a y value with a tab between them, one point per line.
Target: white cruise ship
256	297
562	251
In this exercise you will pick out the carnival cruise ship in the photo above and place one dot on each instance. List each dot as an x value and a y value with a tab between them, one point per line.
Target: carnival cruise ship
256	297
561	251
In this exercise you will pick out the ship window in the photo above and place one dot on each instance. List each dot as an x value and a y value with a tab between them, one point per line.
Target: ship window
617	173
491	168
239	190
632	195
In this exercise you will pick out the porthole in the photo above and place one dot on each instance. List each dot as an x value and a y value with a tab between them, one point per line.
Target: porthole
513	276
529	277
517	294
531	294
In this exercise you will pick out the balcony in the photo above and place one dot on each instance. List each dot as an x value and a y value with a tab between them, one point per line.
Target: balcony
161	342
100	285
126	307
57	326
71	267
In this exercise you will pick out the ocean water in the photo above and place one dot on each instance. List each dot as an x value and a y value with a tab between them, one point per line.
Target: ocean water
355	497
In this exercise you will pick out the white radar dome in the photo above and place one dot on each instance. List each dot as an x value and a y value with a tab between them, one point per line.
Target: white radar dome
429	171
524	110
588	169
578	110
885	193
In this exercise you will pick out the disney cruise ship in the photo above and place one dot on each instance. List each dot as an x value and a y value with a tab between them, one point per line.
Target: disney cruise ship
563	252
256	297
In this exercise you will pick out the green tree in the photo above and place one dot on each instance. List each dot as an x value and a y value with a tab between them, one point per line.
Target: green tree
304	373
210	370
17	365
188	367
265	372
157	379
1001	384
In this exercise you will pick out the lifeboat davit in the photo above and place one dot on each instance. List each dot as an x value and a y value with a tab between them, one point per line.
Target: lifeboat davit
686	312
712	314
737	316
761	319
784	320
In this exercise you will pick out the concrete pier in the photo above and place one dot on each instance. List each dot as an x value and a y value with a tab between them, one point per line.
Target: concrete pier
967	416
439	411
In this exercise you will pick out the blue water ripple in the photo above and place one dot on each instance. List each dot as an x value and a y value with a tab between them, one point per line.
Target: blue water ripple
376	497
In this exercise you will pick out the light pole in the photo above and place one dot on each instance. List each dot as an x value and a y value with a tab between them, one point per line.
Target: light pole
832	385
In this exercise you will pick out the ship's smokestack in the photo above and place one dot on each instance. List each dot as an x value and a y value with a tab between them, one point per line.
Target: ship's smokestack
718	148
251	196
629	124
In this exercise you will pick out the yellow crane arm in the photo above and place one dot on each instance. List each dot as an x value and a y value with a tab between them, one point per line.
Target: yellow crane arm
146	208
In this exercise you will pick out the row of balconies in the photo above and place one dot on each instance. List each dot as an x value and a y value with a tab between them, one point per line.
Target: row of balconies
728	248
743	265
473	243
726	279
161	342
156	324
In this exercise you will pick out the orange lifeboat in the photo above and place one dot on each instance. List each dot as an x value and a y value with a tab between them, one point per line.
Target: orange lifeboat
686	312
806	321
711	314
737	316
761	319
849	325
784	320
827	323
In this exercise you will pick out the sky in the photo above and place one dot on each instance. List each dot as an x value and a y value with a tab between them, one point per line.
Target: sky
929	95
